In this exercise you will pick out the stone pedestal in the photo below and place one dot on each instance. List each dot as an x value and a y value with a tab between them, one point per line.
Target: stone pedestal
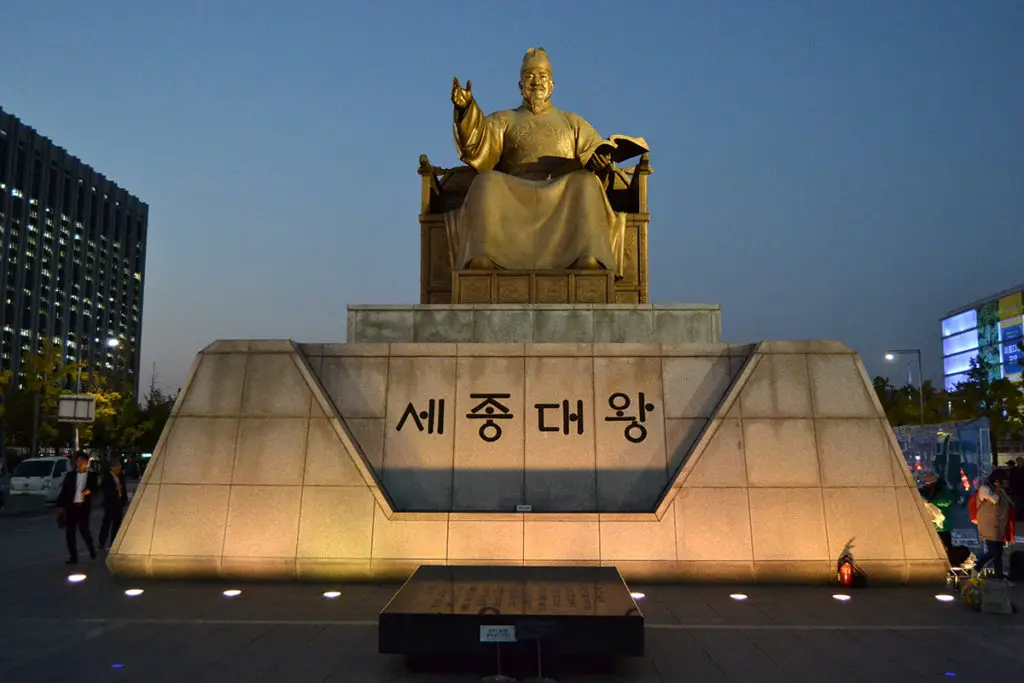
676	462
536	323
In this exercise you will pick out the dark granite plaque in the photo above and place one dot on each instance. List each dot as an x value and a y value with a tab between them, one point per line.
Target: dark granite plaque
572	610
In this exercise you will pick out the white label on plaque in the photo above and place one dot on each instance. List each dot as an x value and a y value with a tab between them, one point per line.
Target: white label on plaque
524	508
497	634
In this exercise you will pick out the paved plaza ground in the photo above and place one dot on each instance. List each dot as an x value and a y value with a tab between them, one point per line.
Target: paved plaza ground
51	630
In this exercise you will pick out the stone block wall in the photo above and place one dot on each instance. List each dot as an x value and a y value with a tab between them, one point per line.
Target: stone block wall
759	463
536	323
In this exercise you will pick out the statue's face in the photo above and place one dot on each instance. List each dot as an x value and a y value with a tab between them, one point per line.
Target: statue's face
536	85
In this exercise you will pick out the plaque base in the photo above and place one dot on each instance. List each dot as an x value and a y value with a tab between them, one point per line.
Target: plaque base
572	611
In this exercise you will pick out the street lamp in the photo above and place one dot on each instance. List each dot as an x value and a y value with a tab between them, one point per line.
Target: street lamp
112	343
891	356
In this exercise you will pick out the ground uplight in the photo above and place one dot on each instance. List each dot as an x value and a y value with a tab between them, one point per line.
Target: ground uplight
841	597
945	597
134	592
637	595
76	578
330	595
232	593
738	596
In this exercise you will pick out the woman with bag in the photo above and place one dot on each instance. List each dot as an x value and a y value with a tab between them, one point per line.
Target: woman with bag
994	520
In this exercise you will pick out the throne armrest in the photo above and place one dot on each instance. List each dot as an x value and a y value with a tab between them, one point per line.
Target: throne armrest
429	183
628	189
443	189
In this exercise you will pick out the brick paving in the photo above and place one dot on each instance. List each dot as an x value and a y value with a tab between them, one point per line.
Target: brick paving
51	630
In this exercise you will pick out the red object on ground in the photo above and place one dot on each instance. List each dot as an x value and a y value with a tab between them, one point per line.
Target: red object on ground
846	574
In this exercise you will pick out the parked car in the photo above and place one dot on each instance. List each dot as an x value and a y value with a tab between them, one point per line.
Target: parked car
39	477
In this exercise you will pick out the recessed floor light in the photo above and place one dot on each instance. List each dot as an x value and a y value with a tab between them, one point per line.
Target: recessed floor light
738	596
637	595
945	597
134	592
841	597
232	593
76	578
330	595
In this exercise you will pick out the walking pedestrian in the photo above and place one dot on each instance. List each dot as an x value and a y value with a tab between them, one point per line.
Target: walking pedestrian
995	525
75	503
115	497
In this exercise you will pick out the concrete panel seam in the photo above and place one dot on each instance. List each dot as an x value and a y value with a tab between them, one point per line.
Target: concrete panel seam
817	451
156	511
302	487
746	479
234	462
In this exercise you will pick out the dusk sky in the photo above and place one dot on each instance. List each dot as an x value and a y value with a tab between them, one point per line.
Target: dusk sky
829	169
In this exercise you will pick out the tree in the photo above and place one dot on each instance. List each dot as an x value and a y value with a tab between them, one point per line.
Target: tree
46	375
999	400
154	417
116	421
5	382
903	405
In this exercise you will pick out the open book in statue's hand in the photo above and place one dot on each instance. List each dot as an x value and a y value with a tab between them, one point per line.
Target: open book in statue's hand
622	147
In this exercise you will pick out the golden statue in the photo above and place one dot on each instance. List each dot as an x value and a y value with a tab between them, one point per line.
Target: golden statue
539	201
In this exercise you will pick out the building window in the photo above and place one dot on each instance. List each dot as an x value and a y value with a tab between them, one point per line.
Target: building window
961	322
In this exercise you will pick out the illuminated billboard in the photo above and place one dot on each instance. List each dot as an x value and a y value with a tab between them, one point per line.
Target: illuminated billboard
989	330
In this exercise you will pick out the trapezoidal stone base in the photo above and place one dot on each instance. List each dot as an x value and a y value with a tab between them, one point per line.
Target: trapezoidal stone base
364	461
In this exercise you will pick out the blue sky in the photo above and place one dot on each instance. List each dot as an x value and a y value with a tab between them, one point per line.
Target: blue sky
823	169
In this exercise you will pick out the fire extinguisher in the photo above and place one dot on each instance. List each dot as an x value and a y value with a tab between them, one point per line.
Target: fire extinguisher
846	571
845	568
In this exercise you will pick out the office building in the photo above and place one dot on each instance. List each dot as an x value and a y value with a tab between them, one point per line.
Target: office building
74	257
989	329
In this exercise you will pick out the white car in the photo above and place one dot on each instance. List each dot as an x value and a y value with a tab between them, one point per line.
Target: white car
39	477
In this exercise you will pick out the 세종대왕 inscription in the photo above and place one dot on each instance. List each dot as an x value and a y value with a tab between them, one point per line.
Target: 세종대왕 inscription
490	410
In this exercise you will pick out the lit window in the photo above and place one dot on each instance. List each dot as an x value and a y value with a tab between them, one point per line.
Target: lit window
959	363
961	322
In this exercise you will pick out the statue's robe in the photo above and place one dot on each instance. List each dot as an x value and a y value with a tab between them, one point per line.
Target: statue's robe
532	206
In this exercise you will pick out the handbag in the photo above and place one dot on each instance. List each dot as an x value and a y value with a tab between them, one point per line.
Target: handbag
62	520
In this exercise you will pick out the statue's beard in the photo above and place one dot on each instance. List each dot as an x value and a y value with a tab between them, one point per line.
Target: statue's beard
537	100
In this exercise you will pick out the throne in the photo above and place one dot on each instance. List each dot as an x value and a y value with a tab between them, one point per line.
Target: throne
444	189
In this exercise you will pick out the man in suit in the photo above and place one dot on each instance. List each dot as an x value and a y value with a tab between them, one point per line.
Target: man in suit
115	497
75	503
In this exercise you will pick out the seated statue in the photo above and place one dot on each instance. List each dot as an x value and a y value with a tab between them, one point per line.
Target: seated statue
539	200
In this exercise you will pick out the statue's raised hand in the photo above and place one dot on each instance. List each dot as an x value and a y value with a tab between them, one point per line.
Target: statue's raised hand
461	97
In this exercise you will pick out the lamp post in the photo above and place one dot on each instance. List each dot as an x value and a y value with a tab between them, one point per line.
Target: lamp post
112	343
891	356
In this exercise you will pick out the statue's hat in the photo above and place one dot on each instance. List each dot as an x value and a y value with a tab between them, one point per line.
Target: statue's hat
535	57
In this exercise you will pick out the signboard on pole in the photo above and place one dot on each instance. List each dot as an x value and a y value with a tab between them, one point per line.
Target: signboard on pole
76	408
